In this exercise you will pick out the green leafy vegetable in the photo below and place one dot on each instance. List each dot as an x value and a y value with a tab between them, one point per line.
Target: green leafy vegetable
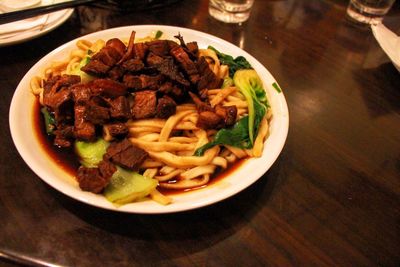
49	121
91	153
237	136
158	34
128	186
234	63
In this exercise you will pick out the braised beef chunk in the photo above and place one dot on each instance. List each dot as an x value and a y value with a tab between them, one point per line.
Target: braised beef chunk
158	47
166	107
107	55
116	72
140	50
126	155
144	104
96	114
57	91
83	129
186	63
171	89
193	48
119	108
108	87
209	120
168	68
81	93
64	135
133	64
228	113
118	45
115	130
142	81
208	79
95	179
96	68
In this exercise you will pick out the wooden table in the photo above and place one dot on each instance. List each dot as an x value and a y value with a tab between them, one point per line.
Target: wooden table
331	198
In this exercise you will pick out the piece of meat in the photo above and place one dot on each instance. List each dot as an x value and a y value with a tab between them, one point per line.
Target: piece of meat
96	68
115	130
108	87
56	90
158	47
118	45
96	114
186	63
168	68
119	108
130	51
81	93
166	107
133	65
83	130
64	135
209	120
228	113
193	48
142	81
95	179
144	104
125	154
140	50
108	55
208	79
116	73
200	105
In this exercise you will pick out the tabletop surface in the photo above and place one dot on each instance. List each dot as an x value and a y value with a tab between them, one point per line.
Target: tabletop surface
332	198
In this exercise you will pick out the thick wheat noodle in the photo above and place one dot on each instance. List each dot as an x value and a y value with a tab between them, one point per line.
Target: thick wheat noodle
150	137
171	122
35	85
222	95
259	142
240	153
169	176
197	171
146	130
149	163
220	161
183	139
161	146
83	44
184	184
185	161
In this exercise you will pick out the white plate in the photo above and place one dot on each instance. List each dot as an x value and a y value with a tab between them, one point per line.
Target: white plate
21	124
34	27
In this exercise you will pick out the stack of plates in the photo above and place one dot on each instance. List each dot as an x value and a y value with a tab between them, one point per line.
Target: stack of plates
23	30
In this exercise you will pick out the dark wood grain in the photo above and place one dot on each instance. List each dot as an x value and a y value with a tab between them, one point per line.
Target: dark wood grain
331	199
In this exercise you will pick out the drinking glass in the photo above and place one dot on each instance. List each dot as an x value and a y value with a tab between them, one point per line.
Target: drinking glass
368	11
230	11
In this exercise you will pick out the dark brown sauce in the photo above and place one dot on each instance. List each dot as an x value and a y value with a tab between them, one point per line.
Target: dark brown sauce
65	158
68	160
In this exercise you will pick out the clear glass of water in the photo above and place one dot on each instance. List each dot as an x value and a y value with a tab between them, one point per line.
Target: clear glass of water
230	11
368	11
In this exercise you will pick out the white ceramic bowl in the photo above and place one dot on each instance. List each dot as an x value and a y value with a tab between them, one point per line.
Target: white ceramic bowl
29	147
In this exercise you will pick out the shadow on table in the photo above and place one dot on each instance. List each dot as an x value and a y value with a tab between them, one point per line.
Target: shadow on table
184	232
